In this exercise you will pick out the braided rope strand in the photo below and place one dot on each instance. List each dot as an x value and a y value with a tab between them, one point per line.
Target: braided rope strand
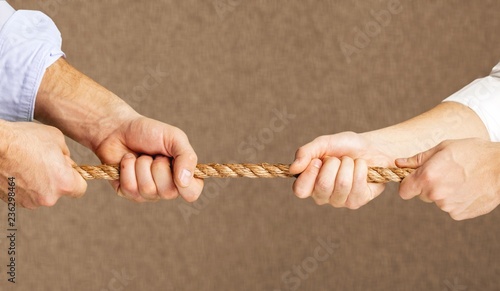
264	170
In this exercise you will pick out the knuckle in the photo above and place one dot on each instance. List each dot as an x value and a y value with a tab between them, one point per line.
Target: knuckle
47	201
321	138
192	158
148	191
434	195
346	159
427	177
352	205
336	204
179	133
323	185
145	158
300	190
129	192
419	158
334	160
300	151
169	195
160	162
456	216
342	183
319	200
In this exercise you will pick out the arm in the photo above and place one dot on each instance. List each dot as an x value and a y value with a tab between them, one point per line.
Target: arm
98	119
448	120
334	167
37	157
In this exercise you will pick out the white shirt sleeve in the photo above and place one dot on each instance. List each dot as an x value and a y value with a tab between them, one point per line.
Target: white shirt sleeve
29	43
6	12
483	97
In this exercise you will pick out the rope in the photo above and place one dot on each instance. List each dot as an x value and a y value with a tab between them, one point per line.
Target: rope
375	174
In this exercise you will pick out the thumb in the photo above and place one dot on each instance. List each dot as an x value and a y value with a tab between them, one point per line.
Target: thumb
184	158
79	185
337	145
417	160
305	154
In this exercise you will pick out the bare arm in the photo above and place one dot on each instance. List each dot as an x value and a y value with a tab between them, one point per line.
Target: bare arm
448	120
100	120
78	106
334	167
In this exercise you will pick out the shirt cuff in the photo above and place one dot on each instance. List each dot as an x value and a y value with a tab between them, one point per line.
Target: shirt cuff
483	97
6	12
29	43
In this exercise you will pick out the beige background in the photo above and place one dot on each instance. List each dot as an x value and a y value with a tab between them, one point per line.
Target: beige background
228	70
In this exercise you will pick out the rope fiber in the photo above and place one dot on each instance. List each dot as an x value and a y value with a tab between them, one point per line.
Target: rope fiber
375	174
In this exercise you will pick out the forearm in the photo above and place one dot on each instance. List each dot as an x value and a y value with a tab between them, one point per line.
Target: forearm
448	120
5	139
78	106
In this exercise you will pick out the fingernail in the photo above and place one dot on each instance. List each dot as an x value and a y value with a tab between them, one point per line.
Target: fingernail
297	160
317	163
128	156
186	176
402	160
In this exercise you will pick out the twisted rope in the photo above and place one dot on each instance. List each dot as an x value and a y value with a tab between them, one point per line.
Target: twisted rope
375	174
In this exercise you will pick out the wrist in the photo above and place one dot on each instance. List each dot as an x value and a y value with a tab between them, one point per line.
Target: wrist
384	141
78	106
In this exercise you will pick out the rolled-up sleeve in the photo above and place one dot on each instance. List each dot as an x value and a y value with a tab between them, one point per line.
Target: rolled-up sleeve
29	43
483	97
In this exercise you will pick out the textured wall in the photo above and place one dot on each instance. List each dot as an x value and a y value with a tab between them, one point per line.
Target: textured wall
224	72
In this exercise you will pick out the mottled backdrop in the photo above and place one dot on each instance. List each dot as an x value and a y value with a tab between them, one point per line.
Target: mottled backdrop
223	71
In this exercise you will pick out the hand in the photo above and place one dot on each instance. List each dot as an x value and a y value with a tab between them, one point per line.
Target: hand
145	149
460	177
334	170
39	159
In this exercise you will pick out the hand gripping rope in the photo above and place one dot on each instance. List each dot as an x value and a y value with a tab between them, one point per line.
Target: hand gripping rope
375	174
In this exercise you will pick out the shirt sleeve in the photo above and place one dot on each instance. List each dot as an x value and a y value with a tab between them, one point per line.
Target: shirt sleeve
29	43
6	12
483	97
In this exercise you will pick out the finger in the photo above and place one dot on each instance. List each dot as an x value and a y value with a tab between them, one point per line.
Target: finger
315	149
360	192
410	186
425	198
145	183
58	138
128	182
193	191
325	181
78	185
343	182
445	206
418	159
185	158
162	175
304	185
